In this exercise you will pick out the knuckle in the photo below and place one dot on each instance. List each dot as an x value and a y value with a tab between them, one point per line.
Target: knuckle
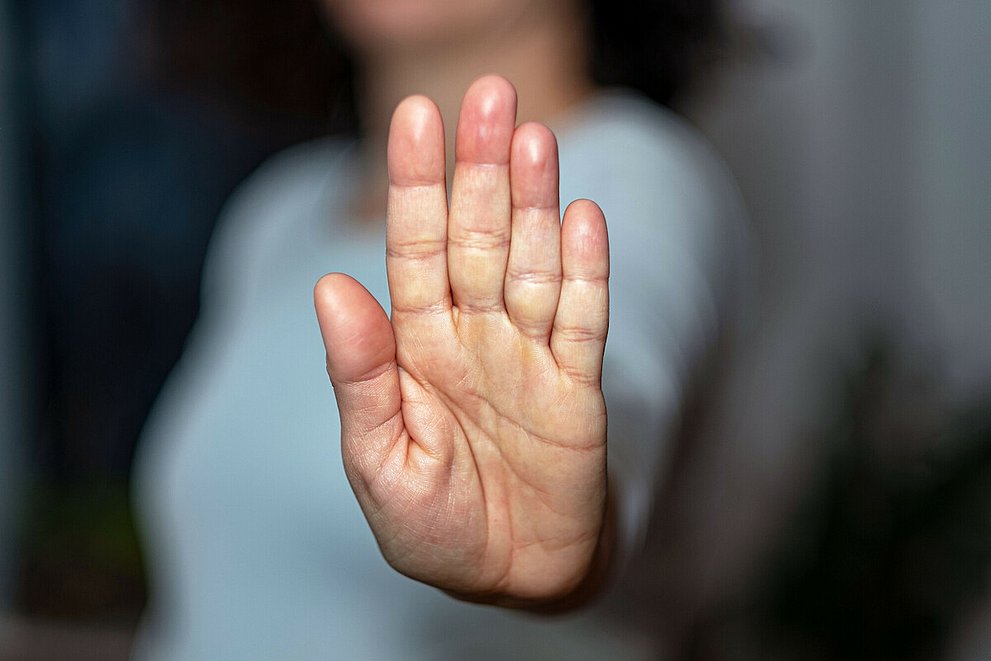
530	277
416	249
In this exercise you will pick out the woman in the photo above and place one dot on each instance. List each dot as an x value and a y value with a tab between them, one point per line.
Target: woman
257	547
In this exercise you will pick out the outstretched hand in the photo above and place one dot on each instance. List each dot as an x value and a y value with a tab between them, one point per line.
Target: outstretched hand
473	424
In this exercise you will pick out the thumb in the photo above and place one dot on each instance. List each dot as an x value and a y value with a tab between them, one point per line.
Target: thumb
361	362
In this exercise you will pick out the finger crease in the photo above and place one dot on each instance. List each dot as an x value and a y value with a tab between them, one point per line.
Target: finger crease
370	375
435	308
484	241
534	208
590	279
534	277
481	308
416	250
582	378
577	334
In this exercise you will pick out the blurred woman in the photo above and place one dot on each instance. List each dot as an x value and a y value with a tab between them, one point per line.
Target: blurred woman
256	545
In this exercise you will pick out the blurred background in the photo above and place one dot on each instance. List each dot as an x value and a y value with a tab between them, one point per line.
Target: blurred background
840	504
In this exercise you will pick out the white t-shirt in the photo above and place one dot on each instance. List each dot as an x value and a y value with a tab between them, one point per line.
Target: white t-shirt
257	547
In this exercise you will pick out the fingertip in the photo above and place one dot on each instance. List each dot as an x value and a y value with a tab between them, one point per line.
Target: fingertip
355	329
534	144
416	143
491	94
416	113
343	303
586	240
534	167
486	121
587	216
327	298
323	290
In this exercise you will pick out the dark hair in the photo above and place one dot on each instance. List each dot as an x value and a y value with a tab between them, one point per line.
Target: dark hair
271	60
276	57
658	47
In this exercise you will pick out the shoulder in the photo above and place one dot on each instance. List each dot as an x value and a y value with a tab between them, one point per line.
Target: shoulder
678	229
291	177
280	194
639	157
665	192
622	118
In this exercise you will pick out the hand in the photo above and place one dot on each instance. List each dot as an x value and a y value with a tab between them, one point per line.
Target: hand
473	424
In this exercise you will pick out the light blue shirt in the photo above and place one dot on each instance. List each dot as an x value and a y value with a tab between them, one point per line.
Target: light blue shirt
257	547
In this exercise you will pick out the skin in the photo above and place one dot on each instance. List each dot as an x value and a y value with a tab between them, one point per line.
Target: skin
438	47
473	424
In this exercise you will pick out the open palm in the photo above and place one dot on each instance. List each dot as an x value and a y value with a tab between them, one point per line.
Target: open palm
473	424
